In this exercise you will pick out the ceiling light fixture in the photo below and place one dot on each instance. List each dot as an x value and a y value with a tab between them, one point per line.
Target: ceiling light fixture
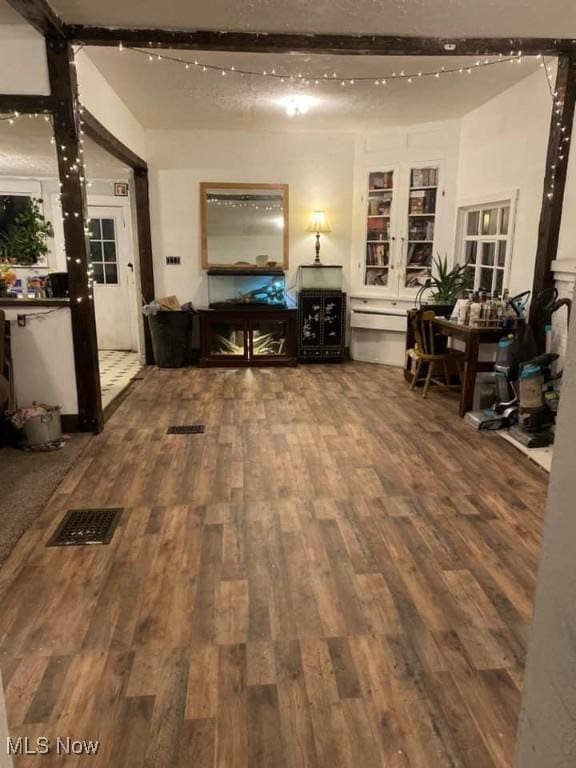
296	105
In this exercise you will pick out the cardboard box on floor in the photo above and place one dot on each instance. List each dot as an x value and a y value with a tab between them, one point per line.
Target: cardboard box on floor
170	303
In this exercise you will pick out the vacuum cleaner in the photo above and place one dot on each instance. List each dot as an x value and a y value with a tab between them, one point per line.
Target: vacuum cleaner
527	395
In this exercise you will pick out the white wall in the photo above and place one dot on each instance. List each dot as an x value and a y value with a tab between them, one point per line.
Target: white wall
503	147
104	103
23	67
318	168
43	358
547	720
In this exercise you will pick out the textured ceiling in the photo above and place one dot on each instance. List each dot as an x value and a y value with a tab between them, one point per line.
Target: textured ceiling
8	15
443	18
162	94
25	150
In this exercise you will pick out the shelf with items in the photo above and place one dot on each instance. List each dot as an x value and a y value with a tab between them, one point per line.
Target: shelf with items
400	227
421	223
378	237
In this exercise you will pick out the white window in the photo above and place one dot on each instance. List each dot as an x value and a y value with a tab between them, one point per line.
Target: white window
103	251
486	245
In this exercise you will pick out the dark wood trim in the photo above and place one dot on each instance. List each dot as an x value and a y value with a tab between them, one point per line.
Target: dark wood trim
63	87
40	15
561	123
272	42
94	129
147	289
27	104
70	423
49	303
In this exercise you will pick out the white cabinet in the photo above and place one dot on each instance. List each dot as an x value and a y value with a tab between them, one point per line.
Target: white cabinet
401	205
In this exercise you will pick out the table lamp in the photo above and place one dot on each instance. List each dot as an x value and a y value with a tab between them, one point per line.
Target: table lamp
319	225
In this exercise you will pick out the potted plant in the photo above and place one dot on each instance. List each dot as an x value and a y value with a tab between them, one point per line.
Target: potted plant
446	286
26	241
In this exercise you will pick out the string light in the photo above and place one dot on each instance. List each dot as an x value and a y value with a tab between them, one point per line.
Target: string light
316	79
557	108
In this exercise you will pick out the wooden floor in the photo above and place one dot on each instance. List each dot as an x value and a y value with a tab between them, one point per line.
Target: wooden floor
336	574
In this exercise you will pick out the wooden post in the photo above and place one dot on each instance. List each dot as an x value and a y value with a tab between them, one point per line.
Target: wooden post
63	85
554	184
142	200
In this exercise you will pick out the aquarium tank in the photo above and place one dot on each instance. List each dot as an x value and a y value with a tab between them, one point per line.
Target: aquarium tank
228	289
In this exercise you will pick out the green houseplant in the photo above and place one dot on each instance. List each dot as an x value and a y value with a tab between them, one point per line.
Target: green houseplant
26	241
446	286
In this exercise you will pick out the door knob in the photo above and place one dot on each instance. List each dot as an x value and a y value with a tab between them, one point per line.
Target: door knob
130	266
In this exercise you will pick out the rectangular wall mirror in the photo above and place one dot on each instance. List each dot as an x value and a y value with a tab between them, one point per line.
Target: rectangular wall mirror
244	225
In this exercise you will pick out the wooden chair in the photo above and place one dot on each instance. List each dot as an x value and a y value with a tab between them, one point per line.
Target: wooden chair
427	351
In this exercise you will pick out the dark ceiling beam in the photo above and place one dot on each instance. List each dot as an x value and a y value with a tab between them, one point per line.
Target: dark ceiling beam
26	103
94	129
40	15
360	45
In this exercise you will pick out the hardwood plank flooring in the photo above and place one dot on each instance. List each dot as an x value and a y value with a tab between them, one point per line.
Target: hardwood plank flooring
336	573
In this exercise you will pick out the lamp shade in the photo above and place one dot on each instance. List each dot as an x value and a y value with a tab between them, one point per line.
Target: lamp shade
318	222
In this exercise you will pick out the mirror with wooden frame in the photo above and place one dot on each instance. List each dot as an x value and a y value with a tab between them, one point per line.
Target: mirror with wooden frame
244	226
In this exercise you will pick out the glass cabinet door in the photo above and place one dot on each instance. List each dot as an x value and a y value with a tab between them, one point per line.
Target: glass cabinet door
227	339
378	219
418	250
268	338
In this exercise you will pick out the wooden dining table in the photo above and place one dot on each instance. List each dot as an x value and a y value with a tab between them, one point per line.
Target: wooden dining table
472	337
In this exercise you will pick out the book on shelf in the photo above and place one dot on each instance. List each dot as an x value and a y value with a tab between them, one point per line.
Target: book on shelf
378	180
417	277
376	277
379	227
421	229
422	201
377	254
419	254
379	206
424	177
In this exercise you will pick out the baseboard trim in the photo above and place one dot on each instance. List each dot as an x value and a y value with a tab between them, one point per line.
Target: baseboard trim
70	423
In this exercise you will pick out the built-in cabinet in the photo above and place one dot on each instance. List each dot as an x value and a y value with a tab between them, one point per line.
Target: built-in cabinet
401	205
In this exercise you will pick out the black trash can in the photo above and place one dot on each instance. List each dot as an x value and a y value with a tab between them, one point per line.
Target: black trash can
171	334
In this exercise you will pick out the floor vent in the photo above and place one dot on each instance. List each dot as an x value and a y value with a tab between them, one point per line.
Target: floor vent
86	526
187	429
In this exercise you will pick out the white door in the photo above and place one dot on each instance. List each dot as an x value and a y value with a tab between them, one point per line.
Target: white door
113	275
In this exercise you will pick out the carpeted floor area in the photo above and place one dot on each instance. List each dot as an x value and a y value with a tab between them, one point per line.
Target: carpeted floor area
27	481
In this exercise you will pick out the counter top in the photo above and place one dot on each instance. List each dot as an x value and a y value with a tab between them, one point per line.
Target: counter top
15	303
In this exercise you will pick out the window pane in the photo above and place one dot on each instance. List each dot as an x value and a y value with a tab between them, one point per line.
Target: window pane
108	229
98	275
499	281
469	274
470	252
486	280
95	231
111	274
489	220
109	252
504	220
95	250
488	253
502	253
473	222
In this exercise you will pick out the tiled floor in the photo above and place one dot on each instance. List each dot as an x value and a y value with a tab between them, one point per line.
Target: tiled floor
116	371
